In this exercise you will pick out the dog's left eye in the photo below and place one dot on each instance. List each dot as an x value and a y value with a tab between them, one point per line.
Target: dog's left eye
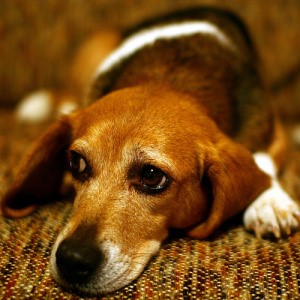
152	180
78	165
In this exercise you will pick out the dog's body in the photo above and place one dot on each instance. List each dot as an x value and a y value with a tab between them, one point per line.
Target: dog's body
182	137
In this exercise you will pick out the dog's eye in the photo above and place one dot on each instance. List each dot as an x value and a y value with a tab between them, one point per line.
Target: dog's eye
78	165
152	180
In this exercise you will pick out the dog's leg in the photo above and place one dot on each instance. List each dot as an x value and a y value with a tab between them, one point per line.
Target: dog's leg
273	212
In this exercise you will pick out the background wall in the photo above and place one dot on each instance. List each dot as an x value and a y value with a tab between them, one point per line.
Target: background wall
39	37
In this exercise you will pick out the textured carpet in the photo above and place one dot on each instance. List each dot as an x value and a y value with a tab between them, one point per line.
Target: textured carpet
231	265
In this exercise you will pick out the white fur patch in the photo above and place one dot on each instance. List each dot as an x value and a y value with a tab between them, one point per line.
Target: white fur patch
265	162
149	36
36	107
120	268
273	212
67	107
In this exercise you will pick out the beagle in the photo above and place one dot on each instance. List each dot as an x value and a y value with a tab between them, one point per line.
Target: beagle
177	133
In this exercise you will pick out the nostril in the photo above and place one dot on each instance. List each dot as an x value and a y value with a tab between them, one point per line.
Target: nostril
76	261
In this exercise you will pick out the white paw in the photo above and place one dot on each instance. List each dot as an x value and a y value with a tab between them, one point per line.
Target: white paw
35	107
273	213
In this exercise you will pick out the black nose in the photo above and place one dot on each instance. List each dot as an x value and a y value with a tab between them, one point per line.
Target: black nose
76	261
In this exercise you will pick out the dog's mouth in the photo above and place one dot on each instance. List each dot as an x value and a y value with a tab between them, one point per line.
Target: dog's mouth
92	271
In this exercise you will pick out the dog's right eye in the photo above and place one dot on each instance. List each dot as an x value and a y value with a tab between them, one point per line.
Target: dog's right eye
78	166
151	180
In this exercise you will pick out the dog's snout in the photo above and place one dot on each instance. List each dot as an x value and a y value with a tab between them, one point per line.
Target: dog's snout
76	261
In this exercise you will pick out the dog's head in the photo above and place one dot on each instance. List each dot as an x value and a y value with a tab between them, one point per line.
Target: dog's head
143	160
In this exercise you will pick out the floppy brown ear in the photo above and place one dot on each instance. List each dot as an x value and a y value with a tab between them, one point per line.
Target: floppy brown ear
235	180
39	174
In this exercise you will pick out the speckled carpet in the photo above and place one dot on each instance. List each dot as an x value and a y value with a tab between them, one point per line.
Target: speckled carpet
231	265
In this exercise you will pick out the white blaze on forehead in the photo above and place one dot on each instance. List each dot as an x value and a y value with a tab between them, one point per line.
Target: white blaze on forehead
149	36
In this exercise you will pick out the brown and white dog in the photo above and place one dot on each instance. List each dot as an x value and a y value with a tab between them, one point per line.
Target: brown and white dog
181	136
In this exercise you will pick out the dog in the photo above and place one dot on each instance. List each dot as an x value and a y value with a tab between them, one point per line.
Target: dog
177	132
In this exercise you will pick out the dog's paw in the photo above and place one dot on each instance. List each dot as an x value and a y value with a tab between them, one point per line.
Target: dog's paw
273	213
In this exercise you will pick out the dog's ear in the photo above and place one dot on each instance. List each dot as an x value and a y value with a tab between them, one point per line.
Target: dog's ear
235	182
39	175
